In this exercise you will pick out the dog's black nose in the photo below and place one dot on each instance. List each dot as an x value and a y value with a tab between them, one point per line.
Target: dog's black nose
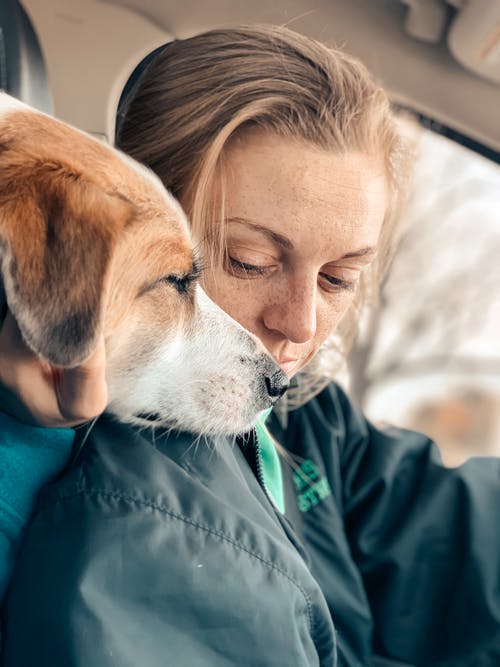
276	384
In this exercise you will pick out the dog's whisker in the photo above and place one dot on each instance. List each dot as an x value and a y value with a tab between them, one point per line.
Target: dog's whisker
89	426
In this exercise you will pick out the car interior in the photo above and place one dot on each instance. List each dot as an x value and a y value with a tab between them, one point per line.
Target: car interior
438	59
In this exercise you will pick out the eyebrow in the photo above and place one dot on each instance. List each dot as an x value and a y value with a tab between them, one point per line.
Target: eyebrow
286	243
363	252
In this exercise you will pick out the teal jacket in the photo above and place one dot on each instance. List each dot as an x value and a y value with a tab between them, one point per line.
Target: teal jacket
29	458
155	550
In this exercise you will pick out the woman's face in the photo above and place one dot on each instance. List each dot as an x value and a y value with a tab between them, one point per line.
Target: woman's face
302	225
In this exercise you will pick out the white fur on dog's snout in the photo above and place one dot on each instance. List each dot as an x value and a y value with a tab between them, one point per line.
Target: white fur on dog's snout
209	380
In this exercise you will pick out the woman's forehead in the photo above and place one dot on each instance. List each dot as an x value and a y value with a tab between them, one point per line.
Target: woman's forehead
298	190
285	166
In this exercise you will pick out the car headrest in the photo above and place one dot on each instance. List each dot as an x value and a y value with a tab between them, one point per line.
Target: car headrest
132	84
22	67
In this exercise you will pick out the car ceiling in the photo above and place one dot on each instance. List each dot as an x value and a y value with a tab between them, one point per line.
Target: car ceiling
116	34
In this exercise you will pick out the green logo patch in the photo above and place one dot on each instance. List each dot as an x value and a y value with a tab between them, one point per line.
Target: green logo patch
310	486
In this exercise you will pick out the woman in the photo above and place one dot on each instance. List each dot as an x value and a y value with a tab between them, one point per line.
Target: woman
357	545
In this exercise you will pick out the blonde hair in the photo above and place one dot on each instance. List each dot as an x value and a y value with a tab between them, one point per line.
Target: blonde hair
199	93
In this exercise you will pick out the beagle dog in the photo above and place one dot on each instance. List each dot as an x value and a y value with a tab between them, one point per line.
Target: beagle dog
91	242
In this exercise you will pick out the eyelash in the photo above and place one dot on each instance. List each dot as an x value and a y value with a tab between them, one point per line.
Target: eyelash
180	283
339	283
252	269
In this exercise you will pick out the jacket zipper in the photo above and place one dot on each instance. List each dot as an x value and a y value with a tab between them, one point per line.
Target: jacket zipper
251	450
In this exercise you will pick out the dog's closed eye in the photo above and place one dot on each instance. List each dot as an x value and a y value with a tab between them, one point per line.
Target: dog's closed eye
181	283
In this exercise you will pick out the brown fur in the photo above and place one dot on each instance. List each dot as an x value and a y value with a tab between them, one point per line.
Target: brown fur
84	237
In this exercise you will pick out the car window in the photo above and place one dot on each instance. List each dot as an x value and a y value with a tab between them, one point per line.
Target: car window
429	354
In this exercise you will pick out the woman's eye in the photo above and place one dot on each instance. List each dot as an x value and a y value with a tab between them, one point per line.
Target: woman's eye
335	283
238	267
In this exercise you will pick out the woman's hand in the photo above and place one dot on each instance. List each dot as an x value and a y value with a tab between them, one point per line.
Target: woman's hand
36	393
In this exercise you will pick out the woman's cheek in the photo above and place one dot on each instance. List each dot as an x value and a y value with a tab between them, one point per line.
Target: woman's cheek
235	296
331	314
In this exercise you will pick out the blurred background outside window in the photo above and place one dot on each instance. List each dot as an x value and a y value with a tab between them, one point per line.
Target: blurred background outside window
428	356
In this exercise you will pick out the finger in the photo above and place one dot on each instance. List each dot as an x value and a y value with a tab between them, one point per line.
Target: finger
35	392
24	391
82	392
11	342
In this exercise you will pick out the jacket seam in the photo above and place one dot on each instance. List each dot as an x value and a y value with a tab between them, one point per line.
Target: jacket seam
212	531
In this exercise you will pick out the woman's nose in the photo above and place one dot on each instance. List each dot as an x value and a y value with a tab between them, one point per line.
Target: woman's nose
294	315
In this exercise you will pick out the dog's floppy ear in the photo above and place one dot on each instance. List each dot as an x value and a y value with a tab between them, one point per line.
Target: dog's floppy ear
57	235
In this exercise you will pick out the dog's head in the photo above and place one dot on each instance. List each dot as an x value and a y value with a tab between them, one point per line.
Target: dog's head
91	242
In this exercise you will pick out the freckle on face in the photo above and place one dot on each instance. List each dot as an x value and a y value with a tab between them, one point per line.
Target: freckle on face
297	211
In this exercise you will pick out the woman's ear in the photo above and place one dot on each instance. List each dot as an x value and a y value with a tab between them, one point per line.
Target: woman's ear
57	236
